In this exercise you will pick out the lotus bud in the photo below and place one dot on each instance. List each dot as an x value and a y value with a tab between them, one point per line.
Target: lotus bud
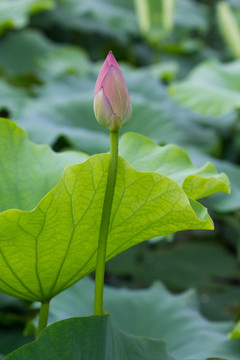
112	105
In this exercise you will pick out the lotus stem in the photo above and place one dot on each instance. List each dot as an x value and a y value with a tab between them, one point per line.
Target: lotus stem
104	226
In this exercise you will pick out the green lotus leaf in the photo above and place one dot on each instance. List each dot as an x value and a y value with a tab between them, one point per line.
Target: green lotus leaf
153	313
28	171
46	250
15	13
180	266
211	88
170	160
90	338
160	315
221	203
183	264
63	60
235	334
27	46
39	57
99	16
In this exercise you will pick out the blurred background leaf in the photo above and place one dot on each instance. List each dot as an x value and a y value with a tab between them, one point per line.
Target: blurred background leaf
179	59
16	13
153	313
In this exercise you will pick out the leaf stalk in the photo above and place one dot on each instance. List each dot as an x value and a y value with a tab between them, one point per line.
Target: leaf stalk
104	226
43	317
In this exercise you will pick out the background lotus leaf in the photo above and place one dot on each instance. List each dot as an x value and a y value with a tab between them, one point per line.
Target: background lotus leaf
174	319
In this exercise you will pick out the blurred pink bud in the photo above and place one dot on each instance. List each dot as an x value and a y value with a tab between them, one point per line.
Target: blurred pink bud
112	105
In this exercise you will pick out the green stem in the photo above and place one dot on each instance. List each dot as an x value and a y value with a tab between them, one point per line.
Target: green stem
103	232
43	317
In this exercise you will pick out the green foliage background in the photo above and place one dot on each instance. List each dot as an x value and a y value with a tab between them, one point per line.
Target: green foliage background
181	65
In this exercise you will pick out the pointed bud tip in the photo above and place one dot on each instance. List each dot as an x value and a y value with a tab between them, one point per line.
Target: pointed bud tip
111	59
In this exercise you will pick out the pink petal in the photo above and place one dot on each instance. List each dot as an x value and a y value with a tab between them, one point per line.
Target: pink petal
110	60
116	91
102	108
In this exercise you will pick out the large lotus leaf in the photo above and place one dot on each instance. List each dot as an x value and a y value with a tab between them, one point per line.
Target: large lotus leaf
28	171
157	314
145	155
39	57
63	60
211	88
90	338
221	202
48	249
179	266
15	13
110	17
118	18
26	46
65	107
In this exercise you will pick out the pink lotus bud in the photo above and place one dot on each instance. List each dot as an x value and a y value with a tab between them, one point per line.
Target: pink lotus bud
112	105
